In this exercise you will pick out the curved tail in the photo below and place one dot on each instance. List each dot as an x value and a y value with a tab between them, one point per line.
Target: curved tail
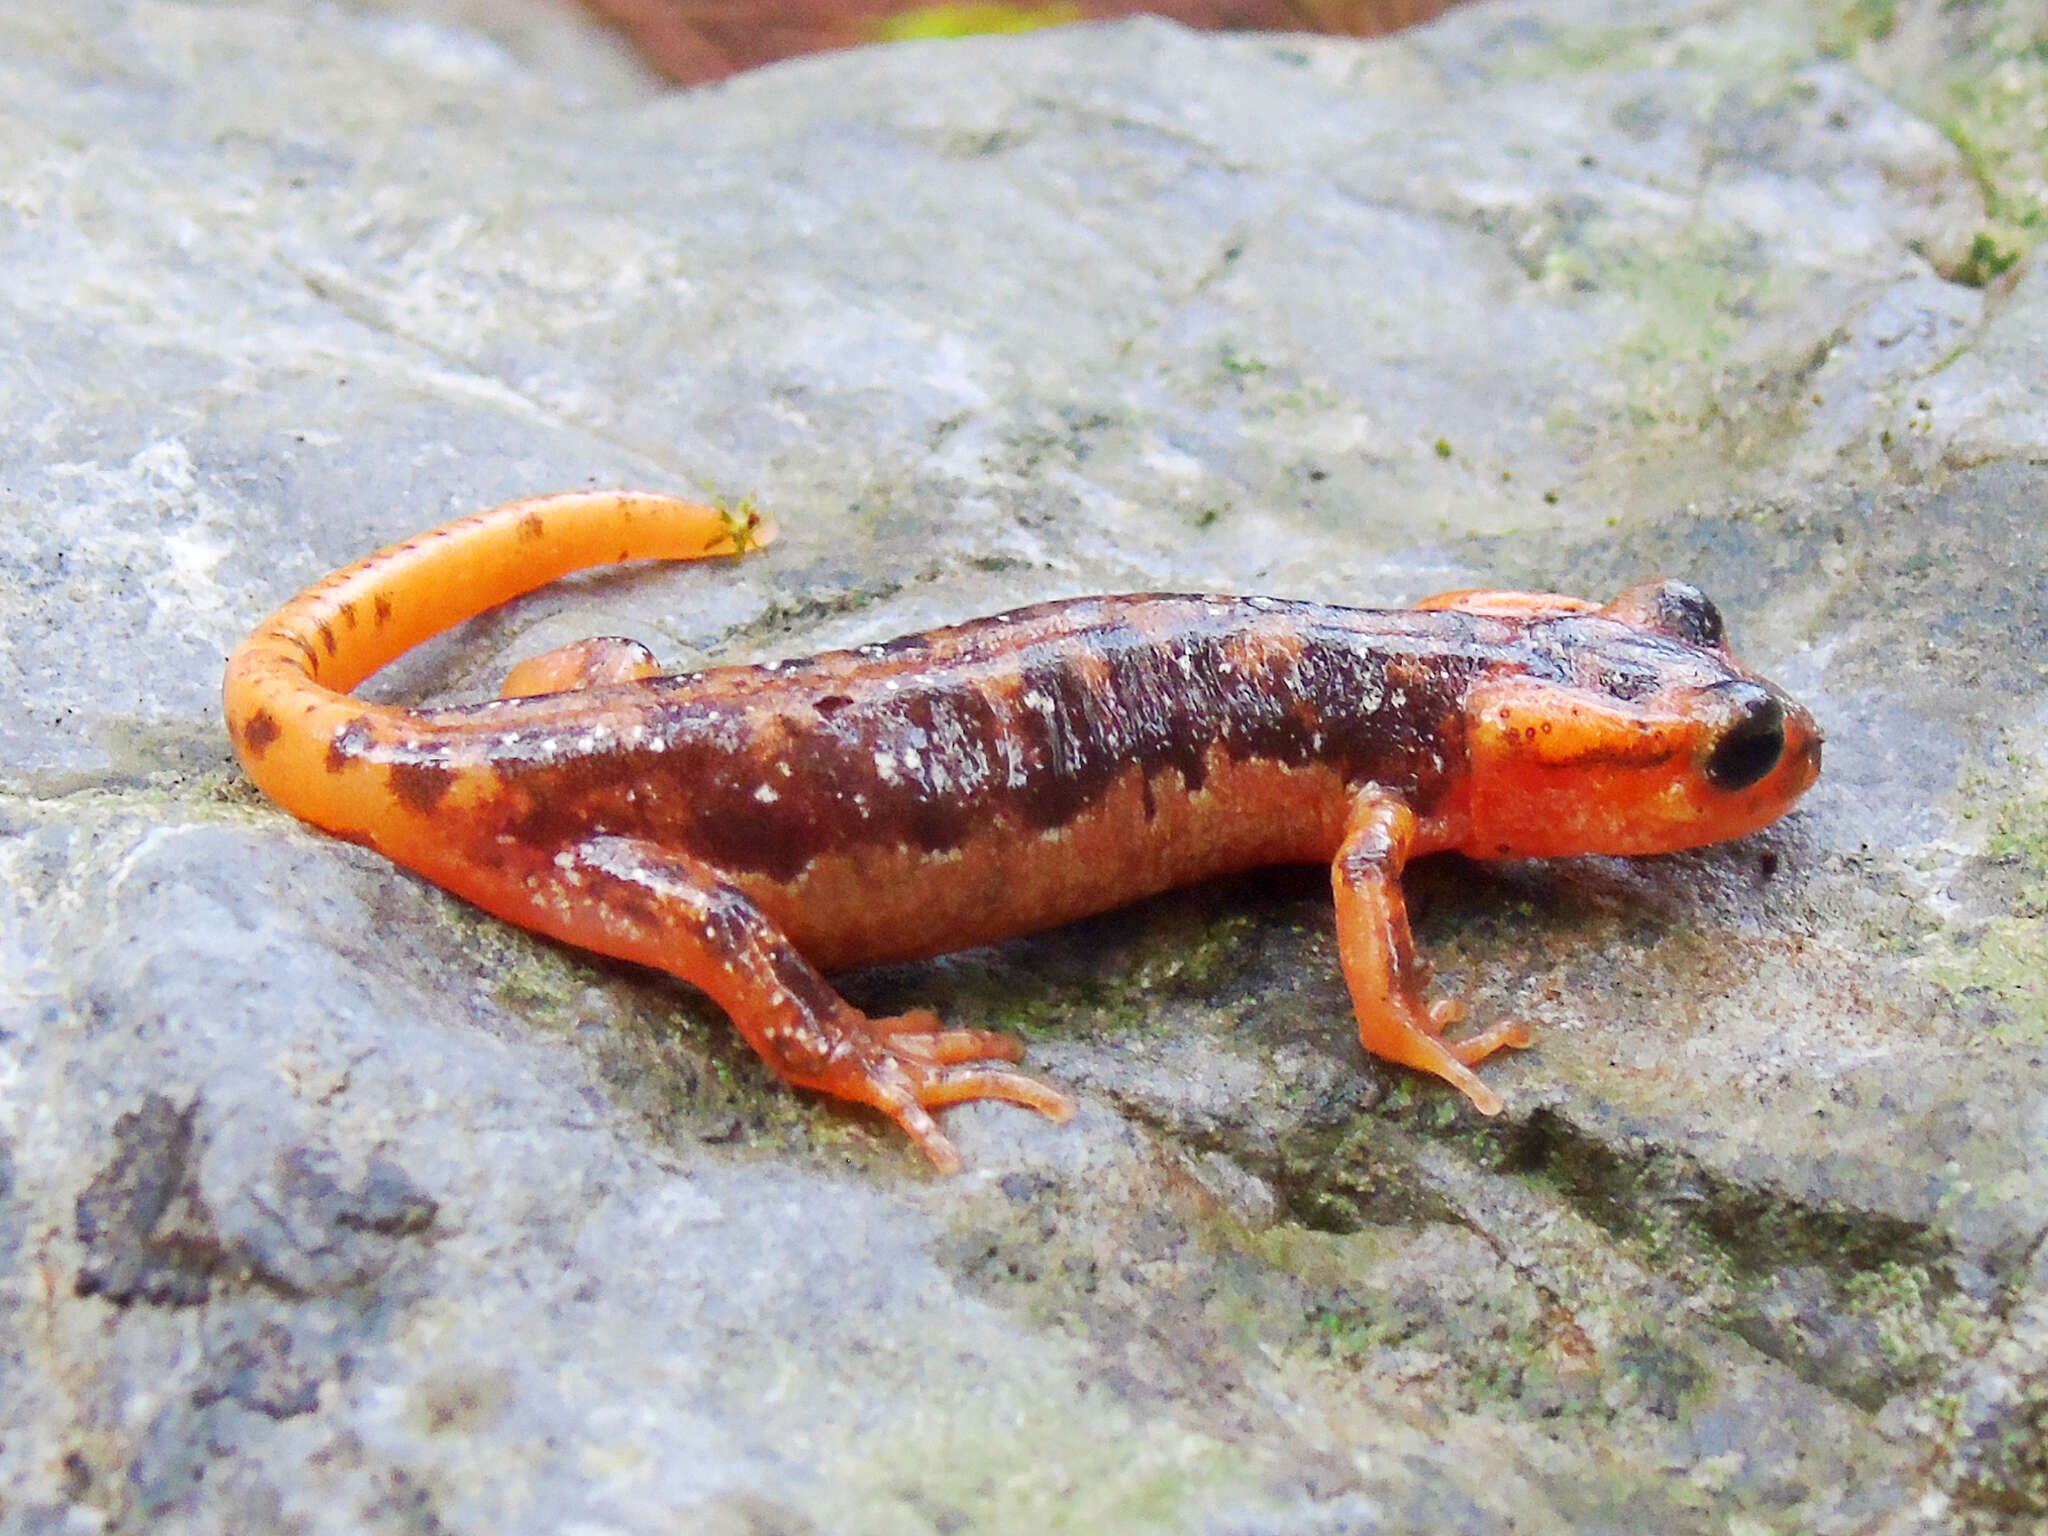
285	694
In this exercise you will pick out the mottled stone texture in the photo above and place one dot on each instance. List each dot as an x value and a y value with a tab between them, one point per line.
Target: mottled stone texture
328	1205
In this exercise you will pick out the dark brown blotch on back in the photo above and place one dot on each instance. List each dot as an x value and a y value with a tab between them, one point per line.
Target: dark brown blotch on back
260	730
420	786
381	610
1158	708
348	614
1057	722
532	527
327	637
936	823
734	829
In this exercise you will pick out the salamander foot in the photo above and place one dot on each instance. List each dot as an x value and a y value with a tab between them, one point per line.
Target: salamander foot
907	1065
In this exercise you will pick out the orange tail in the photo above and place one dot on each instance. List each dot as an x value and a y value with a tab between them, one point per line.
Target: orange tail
286	690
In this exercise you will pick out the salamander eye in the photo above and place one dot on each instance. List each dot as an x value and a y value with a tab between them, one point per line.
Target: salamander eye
1750	748
1687	612
1675	608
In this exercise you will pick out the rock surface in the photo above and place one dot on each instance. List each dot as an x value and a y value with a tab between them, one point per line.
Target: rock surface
329	1205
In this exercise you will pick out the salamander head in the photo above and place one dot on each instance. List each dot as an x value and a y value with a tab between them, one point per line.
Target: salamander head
1641	735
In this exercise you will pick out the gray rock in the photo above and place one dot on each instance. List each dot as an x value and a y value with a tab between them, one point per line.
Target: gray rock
328	1204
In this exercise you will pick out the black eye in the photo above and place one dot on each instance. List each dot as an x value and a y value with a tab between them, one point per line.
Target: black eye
1687	612
1750	748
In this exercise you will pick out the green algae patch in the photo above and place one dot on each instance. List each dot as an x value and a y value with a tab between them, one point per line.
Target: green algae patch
2004	970
2000	971
1694	373
1979	73
1349	1180
1857	1302
1923	1325
1857	23
1431	1304
2000	123
1548	48
1690	300
1996	1445
1179	949
542	983
1008	1463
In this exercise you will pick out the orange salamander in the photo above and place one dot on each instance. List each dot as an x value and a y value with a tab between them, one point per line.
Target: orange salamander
748	828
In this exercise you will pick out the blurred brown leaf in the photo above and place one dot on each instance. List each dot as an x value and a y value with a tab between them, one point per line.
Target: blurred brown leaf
692	41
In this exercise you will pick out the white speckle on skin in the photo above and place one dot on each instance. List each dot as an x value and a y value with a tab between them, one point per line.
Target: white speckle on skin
885	766
766	795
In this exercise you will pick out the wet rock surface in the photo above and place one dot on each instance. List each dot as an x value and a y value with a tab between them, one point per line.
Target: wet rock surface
329	1204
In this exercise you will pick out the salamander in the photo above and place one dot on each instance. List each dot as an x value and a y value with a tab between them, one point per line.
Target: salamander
750	828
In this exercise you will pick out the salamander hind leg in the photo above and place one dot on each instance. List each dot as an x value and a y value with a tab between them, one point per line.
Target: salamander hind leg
642	902
580	664
1378	954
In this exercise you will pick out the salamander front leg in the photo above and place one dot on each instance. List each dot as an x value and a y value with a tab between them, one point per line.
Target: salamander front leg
642	902
1378	954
